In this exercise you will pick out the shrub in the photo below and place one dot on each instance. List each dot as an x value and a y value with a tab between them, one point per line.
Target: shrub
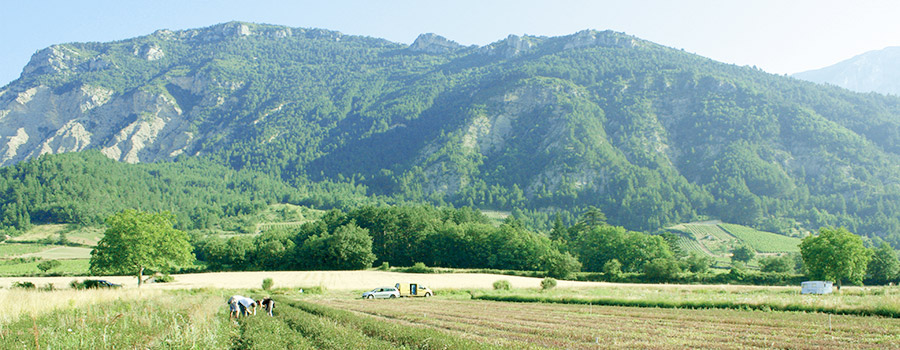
548	283
561	265
613	268
164	279
419	268
48	265
267	284
661	269
75	284
501	285
385	266
49	287
23	285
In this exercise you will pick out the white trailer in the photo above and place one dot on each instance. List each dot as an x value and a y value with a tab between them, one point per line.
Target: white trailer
815	287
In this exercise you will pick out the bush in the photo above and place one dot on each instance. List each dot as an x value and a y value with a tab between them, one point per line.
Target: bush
267	284
163	279
23	285
561	265
661	269
548	283
419	268
385	266
613	268
75	284
48	265
501	285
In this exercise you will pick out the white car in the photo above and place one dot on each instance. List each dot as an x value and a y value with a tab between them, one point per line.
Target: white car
382	293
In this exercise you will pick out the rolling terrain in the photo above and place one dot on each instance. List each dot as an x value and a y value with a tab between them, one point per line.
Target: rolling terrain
533	125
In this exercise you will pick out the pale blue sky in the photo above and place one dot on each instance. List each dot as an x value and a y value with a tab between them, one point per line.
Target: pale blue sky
779	36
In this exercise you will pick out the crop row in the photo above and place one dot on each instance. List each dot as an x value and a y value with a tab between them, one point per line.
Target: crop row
576	326
763	241
891	311
302	325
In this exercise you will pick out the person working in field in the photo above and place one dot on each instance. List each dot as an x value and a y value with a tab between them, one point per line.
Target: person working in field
234	305
268	304
246	304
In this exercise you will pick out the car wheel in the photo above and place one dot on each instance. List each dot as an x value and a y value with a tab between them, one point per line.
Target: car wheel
393	296
427	295
370	296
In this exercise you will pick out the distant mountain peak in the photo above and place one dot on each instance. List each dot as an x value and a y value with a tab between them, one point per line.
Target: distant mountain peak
873	71
606	38
434	44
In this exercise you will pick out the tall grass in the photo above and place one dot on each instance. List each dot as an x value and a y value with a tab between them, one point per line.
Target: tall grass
33	303
167	320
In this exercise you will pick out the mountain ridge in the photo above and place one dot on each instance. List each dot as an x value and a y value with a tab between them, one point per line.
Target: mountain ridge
650	134
871	71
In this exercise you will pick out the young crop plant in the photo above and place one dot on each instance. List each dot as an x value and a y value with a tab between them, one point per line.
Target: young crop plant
270	333
323	332
411	336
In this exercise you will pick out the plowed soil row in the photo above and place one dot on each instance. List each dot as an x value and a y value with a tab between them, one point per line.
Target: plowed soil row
589	327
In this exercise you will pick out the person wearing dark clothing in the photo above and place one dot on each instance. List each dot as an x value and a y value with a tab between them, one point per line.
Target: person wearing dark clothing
268	304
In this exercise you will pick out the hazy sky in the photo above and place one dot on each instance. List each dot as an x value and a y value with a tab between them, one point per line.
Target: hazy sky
778	36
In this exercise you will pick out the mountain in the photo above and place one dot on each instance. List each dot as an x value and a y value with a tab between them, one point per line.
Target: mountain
537	125
873	71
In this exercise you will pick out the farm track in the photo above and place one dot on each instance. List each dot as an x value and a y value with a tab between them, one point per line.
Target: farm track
588	327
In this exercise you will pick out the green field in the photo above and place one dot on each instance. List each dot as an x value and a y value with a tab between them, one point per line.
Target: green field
198	319
10	250
763	242
51	232
717	240
15	267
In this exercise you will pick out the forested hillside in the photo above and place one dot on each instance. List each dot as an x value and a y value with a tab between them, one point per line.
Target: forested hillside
535	125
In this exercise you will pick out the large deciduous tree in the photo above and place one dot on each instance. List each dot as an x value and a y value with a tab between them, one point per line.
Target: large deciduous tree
349	247
136	240
835	254
884	266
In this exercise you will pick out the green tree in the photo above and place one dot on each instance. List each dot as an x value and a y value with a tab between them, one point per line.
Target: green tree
884	266
661	269
613	269
779	264
348	248
743	254
592	217
560	264
835	254
136	240
698	263
48	265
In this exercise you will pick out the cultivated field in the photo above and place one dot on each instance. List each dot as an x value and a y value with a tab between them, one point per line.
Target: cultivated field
591	327
191	313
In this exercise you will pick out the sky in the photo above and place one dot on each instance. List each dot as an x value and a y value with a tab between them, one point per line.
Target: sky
778	36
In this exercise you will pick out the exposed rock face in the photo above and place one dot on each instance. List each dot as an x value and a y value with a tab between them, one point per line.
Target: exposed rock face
489	134
433	44
53	59
135	127
587	38
511	46
150	52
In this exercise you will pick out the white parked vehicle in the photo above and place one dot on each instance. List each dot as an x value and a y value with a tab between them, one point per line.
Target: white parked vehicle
382	293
